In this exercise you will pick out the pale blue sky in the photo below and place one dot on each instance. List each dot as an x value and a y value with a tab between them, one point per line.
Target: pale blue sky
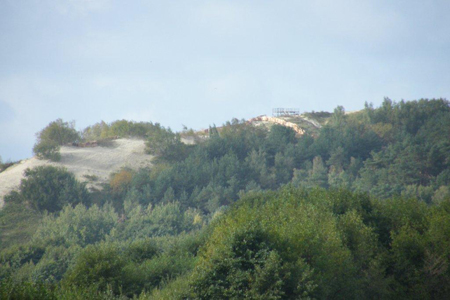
202	62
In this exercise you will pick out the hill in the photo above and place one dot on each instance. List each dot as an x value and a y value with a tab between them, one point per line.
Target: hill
93	165
320	206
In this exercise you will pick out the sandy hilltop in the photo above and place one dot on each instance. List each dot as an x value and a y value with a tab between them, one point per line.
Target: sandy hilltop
89	164
93	163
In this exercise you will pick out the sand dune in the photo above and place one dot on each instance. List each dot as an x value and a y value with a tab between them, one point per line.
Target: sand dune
93	162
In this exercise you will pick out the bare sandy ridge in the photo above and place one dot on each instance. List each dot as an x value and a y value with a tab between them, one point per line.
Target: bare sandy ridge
91	161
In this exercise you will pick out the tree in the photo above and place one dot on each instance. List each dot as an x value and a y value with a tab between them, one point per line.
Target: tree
277	246
121	181
165	144
50	188
99	265
56	134
318	174
277	140
338	117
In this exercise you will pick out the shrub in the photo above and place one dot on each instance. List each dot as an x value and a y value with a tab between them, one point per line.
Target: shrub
98	265
77	226
49	188
25	291
56	134
120	181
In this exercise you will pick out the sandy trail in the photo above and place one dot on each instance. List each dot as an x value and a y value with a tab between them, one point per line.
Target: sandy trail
98	162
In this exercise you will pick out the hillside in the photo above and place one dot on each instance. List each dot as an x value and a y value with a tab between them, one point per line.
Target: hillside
320	206
94	165
89	164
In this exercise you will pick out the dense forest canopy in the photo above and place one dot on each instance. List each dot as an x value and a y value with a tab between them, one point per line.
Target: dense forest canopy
356	209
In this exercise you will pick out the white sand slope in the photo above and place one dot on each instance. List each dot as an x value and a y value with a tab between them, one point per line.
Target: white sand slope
98	162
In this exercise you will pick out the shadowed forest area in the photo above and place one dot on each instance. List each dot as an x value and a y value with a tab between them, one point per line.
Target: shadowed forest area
357	209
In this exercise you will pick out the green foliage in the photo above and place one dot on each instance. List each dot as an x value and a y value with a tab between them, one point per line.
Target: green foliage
277	140
120	128
47	150
49	188
17	224
368	151
203	223
175	289
53	264
148	274
289	244
165	144
97	131
120	181
151	221
128	270
318	174
56	134
25	291
16	261
142	249
278	249
416	155
391	215
101	266
250	267
76	226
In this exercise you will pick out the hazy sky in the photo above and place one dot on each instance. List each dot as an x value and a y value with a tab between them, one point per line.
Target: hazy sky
202	62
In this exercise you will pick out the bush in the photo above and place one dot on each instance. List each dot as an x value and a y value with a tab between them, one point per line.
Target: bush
76	226
17	223
166	144
120	181
151	221
100	265
49	188
25	291
47	150
150	273
250	267
56	134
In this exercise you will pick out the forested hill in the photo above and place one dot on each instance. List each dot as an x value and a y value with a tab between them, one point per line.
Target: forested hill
344	206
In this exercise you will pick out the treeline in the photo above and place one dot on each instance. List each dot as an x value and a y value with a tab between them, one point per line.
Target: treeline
59	133
205	223
398	149
290	244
